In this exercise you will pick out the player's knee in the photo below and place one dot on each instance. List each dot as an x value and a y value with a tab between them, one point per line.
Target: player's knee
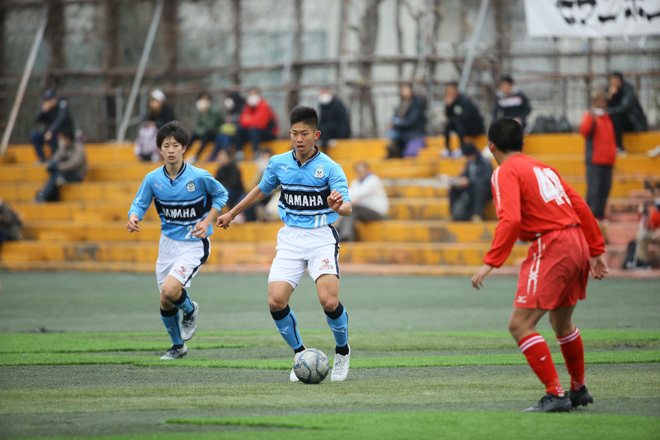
276	304
170	292
329	303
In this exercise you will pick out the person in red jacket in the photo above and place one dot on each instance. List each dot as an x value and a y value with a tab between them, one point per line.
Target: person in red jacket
534	204
598	132
257	122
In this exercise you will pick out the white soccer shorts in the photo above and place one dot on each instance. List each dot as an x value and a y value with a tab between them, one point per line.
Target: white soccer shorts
299	249
181	259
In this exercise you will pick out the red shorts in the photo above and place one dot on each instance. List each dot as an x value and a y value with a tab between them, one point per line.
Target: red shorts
555	272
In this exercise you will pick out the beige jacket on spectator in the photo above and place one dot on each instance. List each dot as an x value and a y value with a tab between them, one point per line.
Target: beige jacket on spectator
72	159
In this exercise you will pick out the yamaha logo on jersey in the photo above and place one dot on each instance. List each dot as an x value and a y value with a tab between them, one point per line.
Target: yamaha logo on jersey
319	173
190	187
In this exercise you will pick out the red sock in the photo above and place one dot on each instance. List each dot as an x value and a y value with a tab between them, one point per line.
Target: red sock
539	358
573	351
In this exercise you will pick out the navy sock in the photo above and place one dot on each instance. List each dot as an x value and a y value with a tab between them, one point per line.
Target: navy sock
172	325
338	321
287	325
184	303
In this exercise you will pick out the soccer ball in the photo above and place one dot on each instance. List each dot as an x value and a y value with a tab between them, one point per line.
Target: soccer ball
311	365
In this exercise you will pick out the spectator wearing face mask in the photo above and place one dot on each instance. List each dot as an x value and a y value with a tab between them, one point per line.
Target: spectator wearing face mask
233	105
334	122
257	122
208	121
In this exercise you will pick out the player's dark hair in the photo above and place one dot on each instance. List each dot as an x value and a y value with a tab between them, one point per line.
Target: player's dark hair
506	134
174	129
507	79
306	115
617	74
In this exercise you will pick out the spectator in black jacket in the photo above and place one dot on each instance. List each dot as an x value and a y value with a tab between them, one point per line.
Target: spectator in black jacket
511	102
463	116
229	175
624	109
159	112
470	192
53	118
334	122
226	136
408	125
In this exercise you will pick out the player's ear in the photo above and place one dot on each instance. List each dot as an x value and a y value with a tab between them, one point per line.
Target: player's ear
317	134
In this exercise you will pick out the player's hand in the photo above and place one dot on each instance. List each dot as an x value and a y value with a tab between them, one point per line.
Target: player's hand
335	200
598	266
132	225
201	228
224	221
480	274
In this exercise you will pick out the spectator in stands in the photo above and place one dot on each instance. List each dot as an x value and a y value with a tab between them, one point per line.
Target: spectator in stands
233	104
145	146
208	120
52	118
369	201
511	102
229	175
159	112
408	125
469	193
624	109
68	164
334	122
650	235
11	223
257	123
596	127
463	116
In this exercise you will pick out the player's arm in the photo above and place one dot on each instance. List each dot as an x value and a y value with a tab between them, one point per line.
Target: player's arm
140	205
337	204
254	196
591	231
506	191
202	227
339	200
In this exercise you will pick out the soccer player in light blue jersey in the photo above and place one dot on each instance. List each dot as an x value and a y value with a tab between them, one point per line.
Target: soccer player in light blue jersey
314	195
188	201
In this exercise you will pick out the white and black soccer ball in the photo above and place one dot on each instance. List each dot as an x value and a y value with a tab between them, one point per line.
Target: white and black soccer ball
311	365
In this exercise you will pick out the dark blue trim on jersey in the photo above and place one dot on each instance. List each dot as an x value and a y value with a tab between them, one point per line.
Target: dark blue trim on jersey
183	168
174	211
207	245
336	235
295	158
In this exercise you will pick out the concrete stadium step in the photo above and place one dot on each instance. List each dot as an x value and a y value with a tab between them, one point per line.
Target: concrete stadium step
251	253
568	165
427	208
102	152
360	149
552	143
149	231
397	231
409	188
400	209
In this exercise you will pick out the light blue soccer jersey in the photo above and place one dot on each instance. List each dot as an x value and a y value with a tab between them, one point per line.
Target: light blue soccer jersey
181	203
305	188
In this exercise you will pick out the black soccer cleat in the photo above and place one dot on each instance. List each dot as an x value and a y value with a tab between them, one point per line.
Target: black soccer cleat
551	403
580	397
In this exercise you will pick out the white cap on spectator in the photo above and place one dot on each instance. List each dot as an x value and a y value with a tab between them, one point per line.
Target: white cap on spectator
158	95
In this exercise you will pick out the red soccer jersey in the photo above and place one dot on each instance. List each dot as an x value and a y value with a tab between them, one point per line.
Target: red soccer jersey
531	199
